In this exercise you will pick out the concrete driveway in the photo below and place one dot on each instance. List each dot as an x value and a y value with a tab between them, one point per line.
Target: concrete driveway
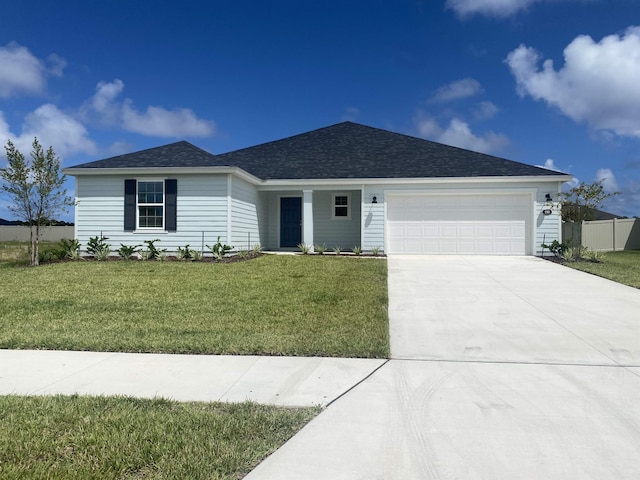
509	309
502	368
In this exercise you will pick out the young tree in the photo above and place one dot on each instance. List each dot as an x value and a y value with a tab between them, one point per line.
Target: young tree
581	202
36	189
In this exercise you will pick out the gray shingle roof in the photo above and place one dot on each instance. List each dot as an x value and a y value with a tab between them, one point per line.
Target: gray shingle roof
345	150
179	154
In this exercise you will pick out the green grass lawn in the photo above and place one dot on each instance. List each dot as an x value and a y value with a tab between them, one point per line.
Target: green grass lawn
273	305
115	437
621	267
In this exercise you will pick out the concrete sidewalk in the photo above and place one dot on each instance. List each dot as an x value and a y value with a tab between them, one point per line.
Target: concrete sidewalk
285	381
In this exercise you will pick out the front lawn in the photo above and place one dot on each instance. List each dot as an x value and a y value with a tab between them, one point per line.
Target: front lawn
621	267
273	305
127	438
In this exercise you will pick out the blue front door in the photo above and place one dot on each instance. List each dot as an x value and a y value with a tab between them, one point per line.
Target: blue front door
290	221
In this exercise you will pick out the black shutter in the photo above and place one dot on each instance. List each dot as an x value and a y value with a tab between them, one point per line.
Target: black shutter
170	214
129	205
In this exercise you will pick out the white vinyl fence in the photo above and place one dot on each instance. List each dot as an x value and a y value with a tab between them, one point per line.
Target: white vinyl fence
604	235
18	233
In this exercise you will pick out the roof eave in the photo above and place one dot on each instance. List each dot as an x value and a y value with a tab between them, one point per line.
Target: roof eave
81	172
416	180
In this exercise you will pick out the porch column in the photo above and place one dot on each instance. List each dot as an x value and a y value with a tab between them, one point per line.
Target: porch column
307	218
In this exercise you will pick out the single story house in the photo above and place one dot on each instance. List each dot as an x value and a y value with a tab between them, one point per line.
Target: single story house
342	186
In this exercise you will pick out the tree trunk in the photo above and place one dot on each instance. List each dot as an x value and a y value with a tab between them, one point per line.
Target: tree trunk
35	246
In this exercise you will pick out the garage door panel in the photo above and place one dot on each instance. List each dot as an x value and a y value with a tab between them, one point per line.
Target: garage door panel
466	230
430	229
485	230
459	224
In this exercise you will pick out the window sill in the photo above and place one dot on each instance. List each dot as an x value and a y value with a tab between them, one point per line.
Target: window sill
147	231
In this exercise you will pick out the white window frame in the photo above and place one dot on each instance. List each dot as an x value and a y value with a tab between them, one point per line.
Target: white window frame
333	206
138	204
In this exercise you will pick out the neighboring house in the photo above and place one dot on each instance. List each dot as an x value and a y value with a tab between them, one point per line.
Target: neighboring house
595	214
343	186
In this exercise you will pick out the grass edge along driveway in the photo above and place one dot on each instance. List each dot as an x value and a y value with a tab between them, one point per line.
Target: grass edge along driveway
622	267
272	305
122	437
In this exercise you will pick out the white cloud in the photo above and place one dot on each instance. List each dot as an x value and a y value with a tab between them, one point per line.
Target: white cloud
628	202
467	87
459	134
53	128
20	71
608	179
550	164
104	108
598	83
485	110
158	122
492	8
56	65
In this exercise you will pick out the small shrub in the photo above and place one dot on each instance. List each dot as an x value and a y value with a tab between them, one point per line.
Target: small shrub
357	250
98	247
68	249
337	250
304	248
321	249
574	254
219	250
146	255
152	252
593	256
75	256
375	251
556	248
185	253
102	255
569	255
257	248
196	255
162	256
244	254
127	251
46	255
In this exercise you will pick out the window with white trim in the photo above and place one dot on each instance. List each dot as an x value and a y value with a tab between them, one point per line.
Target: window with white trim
151	204
341	206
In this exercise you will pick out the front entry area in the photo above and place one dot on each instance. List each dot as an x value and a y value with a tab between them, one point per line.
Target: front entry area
484	224
290	222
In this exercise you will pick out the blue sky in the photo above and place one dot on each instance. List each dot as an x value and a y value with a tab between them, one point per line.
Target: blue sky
544	82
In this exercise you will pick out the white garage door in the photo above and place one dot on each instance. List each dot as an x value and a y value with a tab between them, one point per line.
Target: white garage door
481	224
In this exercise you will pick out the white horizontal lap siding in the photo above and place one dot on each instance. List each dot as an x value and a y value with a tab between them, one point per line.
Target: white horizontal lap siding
245	213
372	218
548	227
332	232
272	213
100	209
201	207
